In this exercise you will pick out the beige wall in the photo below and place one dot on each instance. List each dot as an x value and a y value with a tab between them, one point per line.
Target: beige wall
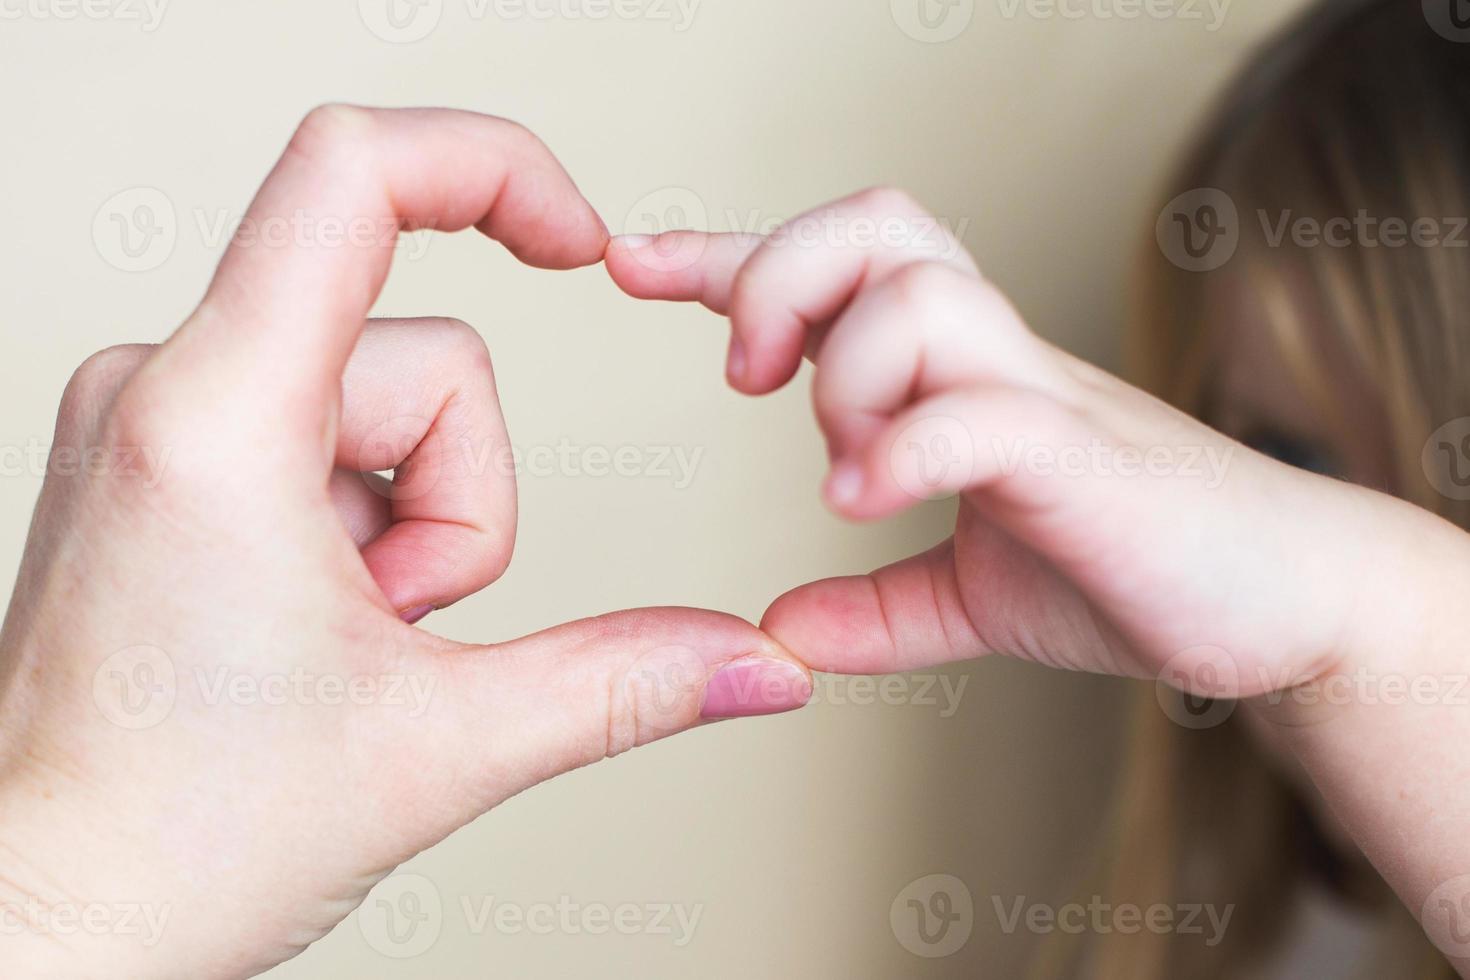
794	835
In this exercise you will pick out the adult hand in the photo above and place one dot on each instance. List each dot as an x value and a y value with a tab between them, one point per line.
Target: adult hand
213	708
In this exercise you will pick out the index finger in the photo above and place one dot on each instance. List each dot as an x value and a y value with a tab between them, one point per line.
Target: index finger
681	266
782	293
300	277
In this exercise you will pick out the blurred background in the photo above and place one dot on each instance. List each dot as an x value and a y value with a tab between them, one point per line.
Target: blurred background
786	847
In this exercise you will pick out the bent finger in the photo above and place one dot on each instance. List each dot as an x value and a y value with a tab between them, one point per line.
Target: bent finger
790	286
299	279
419	399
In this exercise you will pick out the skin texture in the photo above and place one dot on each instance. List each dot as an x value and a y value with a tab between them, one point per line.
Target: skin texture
259	822
259	825
1242	584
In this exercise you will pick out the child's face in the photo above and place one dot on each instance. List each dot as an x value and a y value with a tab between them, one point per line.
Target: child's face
1257	398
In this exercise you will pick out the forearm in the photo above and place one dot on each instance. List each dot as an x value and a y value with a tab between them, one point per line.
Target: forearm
1385	732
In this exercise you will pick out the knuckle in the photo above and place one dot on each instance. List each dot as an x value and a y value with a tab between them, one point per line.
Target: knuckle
331	129
641	708
495	559
747	296
757	287
455	335
115	426
521	143
995	308
928	289
745	289
139	416
658	693
621	734
458	347
148	422
97	381
883	201
520	135
938	295
487	555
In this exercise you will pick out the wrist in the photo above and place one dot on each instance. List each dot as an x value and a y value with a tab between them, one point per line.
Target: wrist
1400	643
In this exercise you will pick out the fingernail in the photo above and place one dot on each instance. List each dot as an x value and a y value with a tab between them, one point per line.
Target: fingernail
411	616
755	686
736	367
845	484
634	241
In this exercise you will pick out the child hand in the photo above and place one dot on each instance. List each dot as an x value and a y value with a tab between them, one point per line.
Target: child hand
1099	529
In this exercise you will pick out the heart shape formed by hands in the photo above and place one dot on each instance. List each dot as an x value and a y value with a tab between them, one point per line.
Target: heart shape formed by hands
198	579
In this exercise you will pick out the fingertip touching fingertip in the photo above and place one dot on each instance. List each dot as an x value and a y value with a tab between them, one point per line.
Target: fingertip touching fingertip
629	243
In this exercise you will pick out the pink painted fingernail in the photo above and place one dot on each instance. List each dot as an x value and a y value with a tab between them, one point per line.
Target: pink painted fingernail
411	616
755	686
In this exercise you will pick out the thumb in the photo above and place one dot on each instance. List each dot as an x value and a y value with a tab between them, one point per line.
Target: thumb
518	713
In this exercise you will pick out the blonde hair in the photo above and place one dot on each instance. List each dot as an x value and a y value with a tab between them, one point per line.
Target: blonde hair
1358	106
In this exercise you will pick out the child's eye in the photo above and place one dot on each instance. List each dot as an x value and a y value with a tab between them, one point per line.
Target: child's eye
1294	451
